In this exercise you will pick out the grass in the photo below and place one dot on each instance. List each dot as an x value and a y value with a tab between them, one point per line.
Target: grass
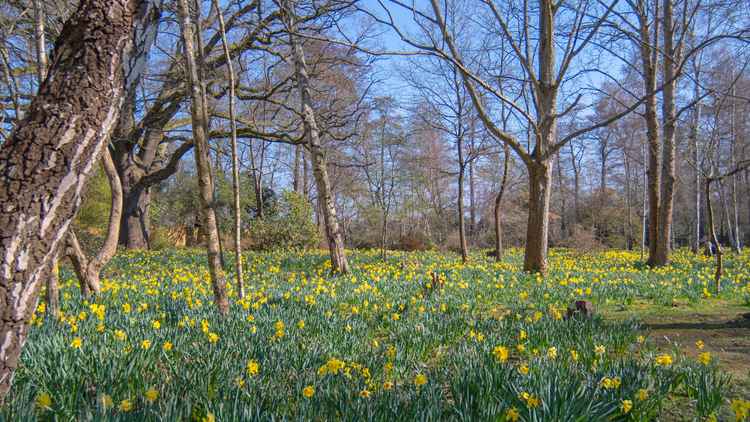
385	344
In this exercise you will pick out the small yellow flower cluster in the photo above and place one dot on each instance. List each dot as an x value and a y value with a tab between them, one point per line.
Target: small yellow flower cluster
531	400
664	360
741	409
501	353
610	383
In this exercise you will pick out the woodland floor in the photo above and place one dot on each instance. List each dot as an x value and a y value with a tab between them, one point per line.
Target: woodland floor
723	326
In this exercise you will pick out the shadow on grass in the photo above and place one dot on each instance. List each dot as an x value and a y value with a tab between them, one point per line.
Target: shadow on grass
742	322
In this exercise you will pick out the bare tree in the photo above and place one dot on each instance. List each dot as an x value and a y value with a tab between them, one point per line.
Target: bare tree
544	82
203	165
339	262
235	161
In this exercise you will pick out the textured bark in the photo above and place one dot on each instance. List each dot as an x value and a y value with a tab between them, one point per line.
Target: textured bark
202	163
134	167
339	262
51	155
88	270
235	160
540	187
540	172
53	289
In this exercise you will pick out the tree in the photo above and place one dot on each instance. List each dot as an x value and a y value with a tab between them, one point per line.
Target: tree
51	153
199	119
339	262
235	160
545	84
87	270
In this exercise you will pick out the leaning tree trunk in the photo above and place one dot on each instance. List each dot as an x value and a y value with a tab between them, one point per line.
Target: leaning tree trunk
203	165
339	262
537	229
88	270
51	154
498	204
53	289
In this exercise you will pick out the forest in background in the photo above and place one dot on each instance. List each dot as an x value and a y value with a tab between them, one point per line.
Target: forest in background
271	124
415	167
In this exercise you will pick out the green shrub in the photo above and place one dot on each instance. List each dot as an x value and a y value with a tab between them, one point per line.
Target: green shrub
290	227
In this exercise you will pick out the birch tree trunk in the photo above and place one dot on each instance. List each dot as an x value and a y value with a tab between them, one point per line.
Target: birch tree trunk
41	43
202	161
235	160
339	262
51	154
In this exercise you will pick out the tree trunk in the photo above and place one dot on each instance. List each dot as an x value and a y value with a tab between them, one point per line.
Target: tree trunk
540	184
628	203
51	154
202	161
235	160
135	221
53	289
561	193
737	244
80	263
88	270
339	262
298	188
41	43
644	202
498	204
696	241
668	168
649	50
472	201
461	219
718	253
53	292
